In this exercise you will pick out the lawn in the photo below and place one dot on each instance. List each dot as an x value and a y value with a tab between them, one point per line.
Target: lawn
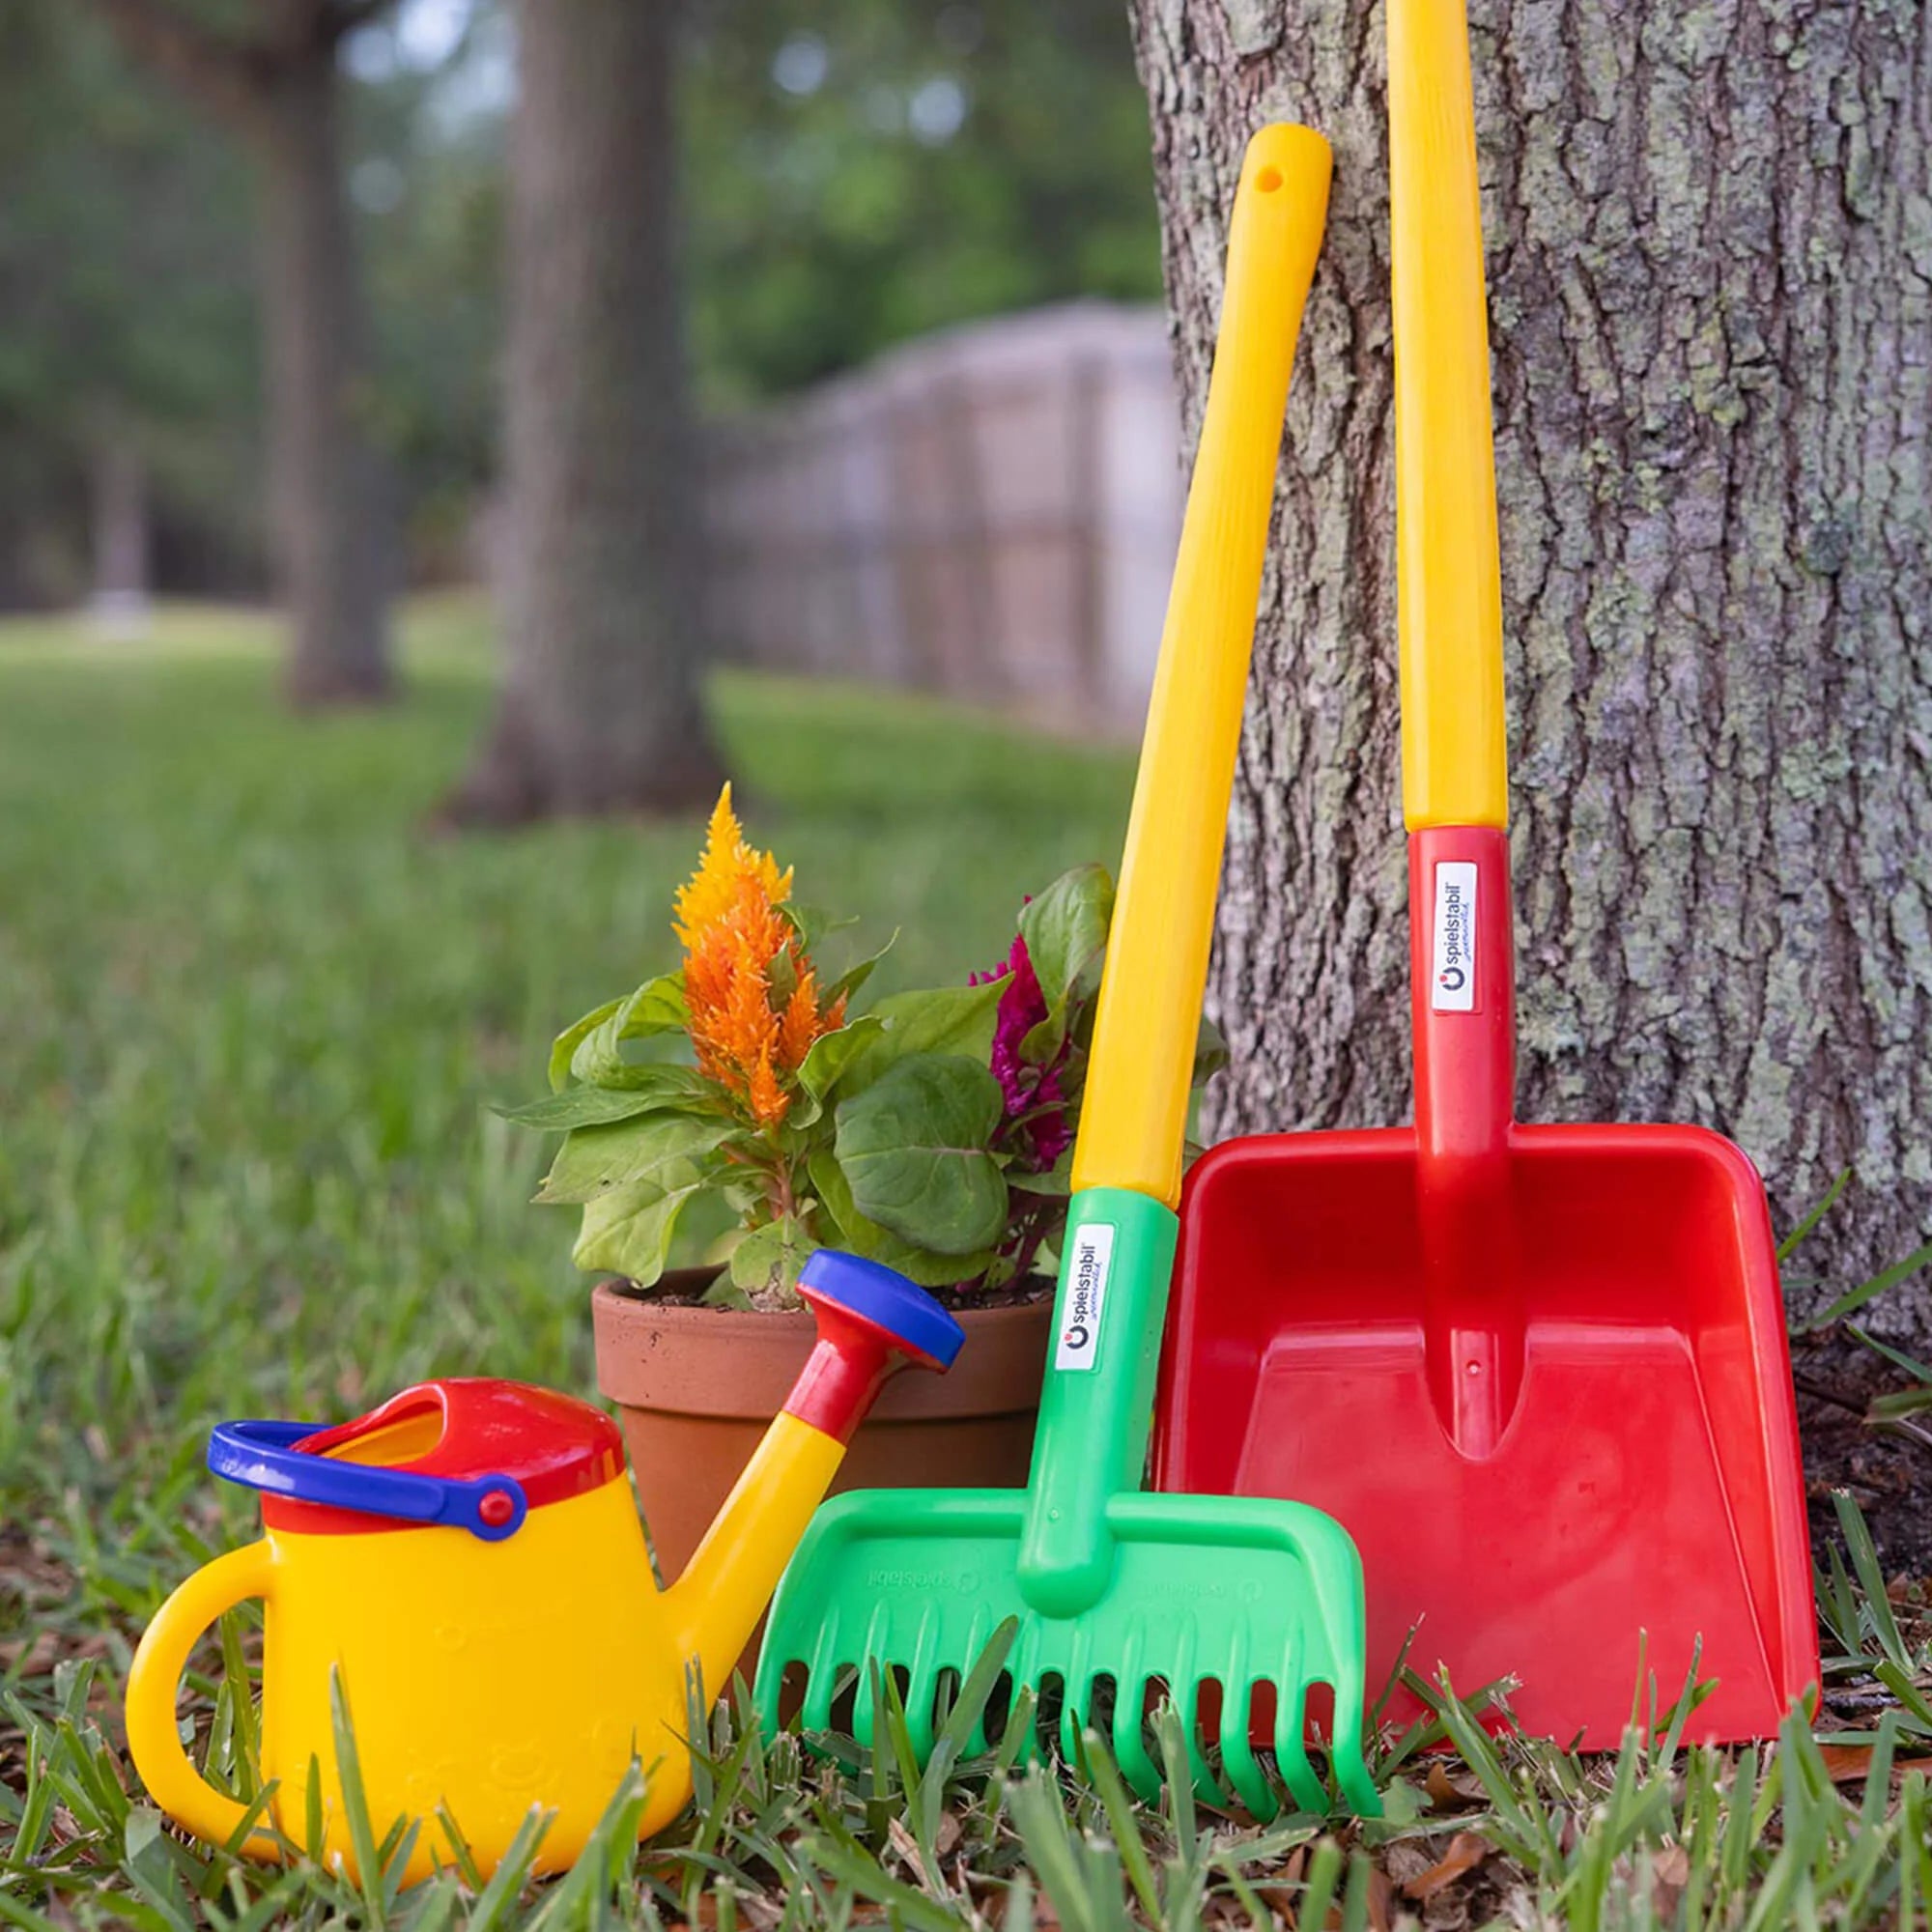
251	1011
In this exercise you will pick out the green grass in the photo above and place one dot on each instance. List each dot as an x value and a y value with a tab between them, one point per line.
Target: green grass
250	1012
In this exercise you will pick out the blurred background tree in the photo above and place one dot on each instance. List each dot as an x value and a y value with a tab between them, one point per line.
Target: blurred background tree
126	359
266	74
602	591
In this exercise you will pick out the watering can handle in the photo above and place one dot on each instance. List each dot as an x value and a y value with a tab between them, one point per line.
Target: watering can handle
153	1679
263	1455
1449	603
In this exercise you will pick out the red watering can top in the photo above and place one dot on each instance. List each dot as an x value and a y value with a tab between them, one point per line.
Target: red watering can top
469	1452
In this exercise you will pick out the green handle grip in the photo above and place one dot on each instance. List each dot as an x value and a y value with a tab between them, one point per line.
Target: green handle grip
1096	1406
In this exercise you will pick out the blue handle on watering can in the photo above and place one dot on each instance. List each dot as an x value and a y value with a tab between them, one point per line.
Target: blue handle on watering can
263	1455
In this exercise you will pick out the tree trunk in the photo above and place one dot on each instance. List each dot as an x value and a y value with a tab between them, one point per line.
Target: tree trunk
331	515
119	606
600	708
1709	234
279	92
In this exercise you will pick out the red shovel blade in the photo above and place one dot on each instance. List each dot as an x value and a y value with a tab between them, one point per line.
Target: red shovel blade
1645	1489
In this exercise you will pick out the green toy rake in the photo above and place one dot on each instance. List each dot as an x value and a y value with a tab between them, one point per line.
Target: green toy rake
1123	1598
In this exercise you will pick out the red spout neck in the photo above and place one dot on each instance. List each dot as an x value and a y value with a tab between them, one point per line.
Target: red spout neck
872	1322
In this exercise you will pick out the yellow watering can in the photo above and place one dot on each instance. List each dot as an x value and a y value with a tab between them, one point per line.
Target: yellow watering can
468	1556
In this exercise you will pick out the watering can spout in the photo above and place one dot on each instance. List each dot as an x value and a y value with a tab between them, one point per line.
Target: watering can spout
871	1322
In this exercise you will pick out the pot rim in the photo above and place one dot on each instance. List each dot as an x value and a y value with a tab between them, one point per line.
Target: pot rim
742	1362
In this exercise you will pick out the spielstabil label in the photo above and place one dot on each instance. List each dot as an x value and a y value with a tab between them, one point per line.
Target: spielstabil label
1092	1254
1452	982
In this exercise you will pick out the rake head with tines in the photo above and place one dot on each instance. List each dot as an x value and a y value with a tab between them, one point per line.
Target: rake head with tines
1211	1601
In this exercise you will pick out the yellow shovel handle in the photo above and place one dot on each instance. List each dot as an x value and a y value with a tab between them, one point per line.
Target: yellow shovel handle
1454	769
1134	1117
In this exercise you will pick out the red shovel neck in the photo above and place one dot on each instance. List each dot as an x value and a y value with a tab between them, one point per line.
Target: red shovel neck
1461	990
1462	993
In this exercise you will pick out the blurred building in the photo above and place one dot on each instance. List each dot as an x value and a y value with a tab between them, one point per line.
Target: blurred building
991	512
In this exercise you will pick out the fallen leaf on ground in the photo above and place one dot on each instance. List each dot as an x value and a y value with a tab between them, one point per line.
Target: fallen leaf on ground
1851	1764
1467	1851
1447	1789
1672	1865
1381	1898
1405	1859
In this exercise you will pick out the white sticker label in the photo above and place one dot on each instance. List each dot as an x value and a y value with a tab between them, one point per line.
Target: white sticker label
1452	984
1093	1252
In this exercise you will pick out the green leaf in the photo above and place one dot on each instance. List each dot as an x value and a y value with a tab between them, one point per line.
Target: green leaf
770	1257
724	1292
856	975
1066	932
782	976
854	1232
566	1043
945	1019
812	923
580	1107
830	1055
913	1146
659	1084
143	1828
628	1231
592	1160
814	927
657	1008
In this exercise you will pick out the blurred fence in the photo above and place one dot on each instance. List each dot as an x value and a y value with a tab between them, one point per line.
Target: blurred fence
989	511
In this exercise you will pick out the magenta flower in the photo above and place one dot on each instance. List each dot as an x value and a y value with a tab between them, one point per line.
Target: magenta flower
1034	1094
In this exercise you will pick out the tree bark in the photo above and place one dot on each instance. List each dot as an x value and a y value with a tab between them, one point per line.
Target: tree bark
119	604
331	513
279	92
1709	236
601	707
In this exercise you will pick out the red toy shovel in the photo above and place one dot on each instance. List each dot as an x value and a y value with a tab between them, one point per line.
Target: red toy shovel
1539	1373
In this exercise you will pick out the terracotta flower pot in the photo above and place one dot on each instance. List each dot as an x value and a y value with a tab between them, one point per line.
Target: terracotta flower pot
695	1387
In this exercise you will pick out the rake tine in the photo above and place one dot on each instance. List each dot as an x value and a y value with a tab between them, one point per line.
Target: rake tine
875	1649
1186	1694
976	1742
1074	1693
1027	1668
1130	1752
1291	1750
822	1682
922	1690
1350	1766
1240	1765
866	1713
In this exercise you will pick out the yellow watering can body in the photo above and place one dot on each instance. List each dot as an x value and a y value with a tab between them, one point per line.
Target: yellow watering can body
468	1563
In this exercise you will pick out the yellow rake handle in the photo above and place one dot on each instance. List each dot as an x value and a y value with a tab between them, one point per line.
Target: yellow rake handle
1454	769
1134	1118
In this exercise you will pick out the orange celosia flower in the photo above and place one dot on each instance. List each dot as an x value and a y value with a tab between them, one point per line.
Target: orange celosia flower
804	1022
734	934
768	1101
727	859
